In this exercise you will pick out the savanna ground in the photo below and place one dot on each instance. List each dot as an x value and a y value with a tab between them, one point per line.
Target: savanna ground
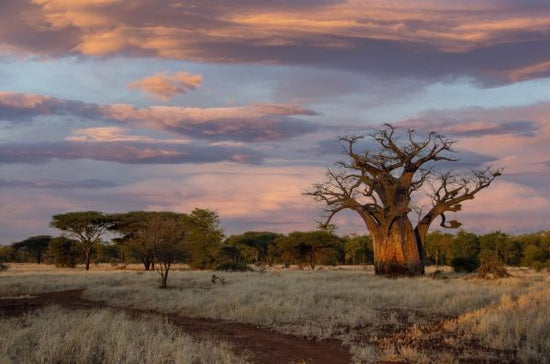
331	314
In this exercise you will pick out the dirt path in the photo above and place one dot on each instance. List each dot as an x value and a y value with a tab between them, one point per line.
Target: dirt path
263	345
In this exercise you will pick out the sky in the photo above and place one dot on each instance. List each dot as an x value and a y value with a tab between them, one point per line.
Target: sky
236	106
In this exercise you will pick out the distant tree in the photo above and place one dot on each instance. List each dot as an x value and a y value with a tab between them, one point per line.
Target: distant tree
128	224
312	248
466	250
379	186
7	253
536	251
36	246
64	252
254	245
465	244
165	237
358	249
438	247
228	254
494	247
204	237
534	256
109	253
87	227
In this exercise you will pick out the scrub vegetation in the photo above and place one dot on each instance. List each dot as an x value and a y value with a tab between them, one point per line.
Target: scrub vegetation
415	319
56	335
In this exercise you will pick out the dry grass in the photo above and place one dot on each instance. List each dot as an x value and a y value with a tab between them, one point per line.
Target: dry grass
521	324
55	335
349	304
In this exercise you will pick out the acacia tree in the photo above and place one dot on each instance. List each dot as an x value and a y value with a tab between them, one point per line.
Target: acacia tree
86	226
379	186
165	237
254	245
35	245
204	237
312	247
128	224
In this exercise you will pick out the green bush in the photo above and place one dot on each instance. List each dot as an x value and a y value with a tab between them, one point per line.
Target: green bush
539	266
465	264
64	252
534	256
233	267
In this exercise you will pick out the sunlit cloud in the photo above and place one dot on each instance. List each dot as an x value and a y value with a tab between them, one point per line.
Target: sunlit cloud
165	86
527	72
420	37
103	115
257	122
110	134
517	137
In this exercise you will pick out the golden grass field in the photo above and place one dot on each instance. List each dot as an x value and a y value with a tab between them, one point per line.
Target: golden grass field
454	318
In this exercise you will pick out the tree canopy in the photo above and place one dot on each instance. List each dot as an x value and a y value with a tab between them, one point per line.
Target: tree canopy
86	226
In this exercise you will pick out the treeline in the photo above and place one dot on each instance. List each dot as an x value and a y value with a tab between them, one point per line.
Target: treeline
467	251
158	239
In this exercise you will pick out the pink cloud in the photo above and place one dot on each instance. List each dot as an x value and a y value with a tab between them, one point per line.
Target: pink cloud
421	37
257	122
23	100
165	86
508	206
522	73
111	134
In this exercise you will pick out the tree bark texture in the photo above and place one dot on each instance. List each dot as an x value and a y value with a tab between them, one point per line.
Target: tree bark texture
397	253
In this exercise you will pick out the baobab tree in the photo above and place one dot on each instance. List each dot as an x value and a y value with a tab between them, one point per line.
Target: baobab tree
380	185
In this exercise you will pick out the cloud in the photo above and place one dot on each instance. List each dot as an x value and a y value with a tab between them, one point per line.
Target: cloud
257	122
467	127
22	107
131	153
508	207
111	134
57	184
522	73
261	196
489	40
165	86
516	137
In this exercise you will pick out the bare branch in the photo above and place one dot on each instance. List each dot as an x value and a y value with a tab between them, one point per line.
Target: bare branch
452	191
378	184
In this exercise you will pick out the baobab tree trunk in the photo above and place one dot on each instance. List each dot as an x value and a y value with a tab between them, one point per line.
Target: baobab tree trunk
397	252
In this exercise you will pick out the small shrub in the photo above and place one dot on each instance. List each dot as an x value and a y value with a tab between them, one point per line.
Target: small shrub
215	279
233	267
465	264
437	274
3	267
493	268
